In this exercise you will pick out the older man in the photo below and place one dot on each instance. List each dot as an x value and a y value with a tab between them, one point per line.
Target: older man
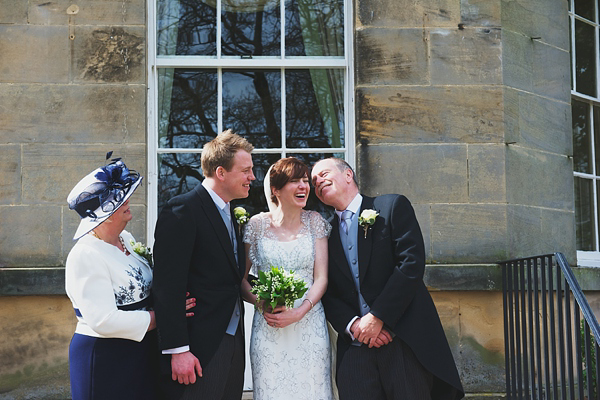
391	344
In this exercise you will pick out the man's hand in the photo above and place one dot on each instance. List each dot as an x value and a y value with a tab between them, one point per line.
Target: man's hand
184	367
383	339
367	329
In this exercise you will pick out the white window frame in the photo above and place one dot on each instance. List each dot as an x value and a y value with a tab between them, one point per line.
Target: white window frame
220	62
588	258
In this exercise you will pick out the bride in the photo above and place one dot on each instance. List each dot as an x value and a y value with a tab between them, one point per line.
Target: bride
289	348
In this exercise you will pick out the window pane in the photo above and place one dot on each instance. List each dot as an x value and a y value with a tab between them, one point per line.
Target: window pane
187	107
251	28
585	58
584	214
597	138
582	152
314	108
252	105
585	8
177	174
314	27
186	27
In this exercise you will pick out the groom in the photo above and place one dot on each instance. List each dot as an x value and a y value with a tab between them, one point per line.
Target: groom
391	344
197	250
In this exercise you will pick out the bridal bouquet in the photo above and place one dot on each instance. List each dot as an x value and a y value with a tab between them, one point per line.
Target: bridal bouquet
278	287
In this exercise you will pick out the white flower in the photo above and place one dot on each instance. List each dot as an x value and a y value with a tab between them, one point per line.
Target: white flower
368	216
142	250
241	215
367	219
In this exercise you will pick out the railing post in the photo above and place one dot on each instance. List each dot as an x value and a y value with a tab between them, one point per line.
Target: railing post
523	359
569	332
507	326
537	329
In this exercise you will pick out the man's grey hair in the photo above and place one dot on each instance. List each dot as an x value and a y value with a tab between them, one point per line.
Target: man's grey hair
342	166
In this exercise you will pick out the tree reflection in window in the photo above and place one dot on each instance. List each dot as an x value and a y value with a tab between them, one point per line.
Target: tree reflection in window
250	100
252	106
190	114
250	28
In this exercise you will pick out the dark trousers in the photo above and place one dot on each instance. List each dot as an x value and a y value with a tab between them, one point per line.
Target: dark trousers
223	377
391	372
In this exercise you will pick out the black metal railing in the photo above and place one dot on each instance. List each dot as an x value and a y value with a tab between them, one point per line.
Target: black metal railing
550	350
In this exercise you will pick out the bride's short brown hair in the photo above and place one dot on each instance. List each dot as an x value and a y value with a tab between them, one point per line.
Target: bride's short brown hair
283	171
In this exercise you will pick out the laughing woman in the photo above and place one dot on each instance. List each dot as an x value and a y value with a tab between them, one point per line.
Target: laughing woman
113	353
289	348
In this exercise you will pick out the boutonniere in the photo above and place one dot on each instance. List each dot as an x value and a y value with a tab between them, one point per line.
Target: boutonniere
367	219
241	216
141	250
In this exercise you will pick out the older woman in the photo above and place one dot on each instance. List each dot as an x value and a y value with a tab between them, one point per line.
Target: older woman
113	353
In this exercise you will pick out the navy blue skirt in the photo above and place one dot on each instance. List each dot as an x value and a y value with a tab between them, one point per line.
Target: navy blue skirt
107	368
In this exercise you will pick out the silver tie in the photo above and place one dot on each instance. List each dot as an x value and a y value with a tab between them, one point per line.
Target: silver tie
345	222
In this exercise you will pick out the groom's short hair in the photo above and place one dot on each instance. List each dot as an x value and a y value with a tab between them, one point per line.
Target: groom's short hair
220	151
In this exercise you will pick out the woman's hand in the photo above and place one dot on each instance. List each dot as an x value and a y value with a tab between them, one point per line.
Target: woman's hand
189	303
282	316
152	321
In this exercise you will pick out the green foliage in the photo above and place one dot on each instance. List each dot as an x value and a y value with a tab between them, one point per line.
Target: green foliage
278	287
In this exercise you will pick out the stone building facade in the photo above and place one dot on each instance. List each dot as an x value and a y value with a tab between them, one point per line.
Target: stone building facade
464	106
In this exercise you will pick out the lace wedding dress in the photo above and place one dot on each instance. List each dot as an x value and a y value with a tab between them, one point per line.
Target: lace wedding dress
291	363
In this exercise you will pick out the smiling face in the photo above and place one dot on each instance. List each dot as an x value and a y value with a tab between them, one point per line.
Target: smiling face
235	184
333	186
294	193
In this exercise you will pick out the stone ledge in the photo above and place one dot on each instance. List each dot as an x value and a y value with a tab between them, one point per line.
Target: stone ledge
451	277
32	281
438	277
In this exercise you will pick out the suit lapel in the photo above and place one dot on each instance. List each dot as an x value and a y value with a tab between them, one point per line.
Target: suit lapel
336	252
214	217
364	244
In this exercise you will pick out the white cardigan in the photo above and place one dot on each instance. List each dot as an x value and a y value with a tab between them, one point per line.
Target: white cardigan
98	277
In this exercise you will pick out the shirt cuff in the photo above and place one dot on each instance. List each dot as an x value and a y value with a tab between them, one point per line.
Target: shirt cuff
349	326
177	350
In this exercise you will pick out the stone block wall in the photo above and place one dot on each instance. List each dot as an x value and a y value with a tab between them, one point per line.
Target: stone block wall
73	87
464	107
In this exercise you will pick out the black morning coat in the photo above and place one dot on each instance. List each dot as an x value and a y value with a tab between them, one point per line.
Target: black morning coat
193	253
391	266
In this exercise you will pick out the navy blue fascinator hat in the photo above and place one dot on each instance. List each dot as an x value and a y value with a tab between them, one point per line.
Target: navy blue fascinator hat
101	192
